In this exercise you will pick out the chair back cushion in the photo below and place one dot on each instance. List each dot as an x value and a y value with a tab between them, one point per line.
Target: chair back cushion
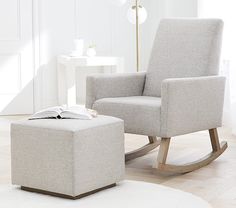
184	48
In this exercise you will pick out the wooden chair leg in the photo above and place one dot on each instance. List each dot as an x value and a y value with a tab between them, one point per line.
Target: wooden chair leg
217	149
214	140
152	139
163	152
153	143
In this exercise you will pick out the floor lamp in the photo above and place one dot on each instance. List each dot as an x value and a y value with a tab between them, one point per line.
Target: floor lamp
137	15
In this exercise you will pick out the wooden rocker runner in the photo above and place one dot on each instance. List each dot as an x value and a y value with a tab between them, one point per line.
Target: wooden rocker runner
217	150
153	144
180	93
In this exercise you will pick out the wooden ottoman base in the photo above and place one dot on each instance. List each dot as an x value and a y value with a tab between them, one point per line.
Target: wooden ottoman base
66	196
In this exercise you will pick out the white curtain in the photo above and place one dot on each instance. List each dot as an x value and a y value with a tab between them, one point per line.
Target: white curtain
225	9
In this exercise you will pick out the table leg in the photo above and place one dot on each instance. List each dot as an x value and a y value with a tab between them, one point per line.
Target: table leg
120	66
71	85
61	83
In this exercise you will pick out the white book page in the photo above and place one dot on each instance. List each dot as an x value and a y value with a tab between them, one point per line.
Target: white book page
76	112
75	115
52	112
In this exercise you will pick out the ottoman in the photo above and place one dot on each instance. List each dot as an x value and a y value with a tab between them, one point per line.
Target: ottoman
68	158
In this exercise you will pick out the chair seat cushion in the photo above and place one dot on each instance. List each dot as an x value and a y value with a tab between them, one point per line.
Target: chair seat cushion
141	114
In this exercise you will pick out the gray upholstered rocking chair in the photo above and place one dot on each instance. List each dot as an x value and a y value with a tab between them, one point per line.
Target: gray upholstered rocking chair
180	93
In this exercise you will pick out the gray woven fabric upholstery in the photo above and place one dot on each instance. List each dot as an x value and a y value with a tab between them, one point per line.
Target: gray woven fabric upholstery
114	85
181	75
184	48
69	156
141	114
191	104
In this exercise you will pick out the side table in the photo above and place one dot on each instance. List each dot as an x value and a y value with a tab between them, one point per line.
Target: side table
68	68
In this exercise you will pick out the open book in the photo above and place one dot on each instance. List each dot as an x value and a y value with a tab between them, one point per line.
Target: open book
61	112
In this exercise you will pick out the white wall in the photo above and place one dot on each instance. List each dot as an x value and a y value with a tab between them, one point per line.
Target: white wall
54	33
99	22
124	43
107	26
182	8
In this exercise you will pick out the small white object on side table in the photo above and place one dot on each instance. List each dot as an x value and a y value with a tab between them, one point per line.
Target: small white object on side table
69	66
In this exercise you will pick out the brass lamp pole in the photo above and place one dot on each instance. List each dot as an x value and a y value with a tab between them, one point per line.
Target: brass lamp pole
137	34
137	15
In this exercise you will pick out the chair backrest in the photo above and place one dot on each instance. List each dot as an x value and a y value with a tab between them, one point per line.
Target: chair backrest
184	48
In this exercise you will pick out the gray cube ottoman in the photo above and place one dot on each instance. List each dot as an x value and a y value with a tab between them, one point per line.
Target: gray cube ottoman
69	158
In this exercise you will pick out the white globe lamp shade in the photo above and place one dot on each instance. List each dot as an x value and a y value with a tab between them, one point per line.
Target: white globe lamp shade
118	2
142	14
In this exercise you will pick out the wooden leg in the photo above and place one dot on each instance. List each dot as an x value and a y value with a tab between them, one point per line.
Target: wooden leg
163	152
214	140
217	149
153	143
152	139
66	196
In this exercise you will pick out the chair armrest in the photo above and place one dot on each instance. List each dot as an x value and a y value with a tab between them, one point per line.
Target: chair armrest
191	104
114	85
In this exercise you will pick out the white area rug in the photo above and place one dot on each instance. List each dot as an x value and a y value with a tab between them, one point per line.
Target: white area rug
128	194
